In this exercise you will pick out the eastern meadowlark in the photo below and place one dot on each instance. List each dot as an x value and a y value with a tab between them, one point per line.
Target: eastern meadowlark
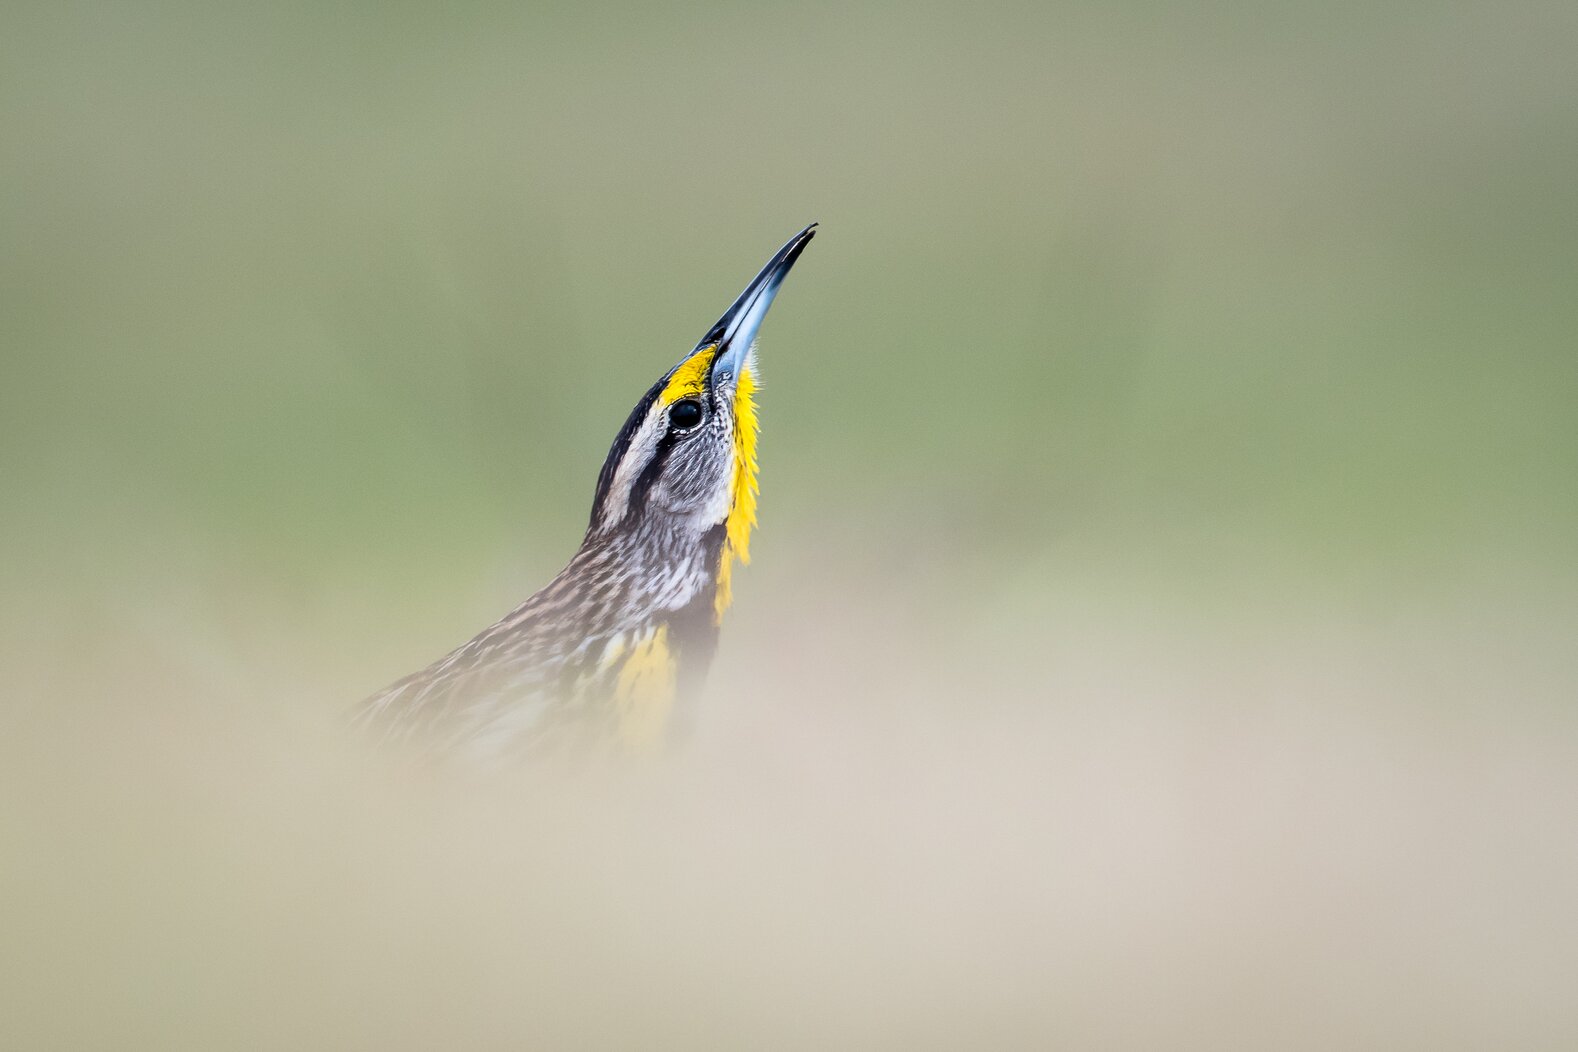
603	656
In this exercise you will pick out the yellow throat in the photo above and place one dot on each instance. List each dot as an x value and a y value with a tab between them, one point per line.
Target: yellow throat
742	491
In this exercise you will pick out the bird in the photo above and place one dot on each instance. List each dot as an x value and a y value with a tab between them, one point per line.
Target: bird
606	658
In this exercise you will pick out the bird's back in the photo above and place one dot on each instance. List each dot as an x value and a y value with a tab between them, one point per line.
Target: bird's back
598	659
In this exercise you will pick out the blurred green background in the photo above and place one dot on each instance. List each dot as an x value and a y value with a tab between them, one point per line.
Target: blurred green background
360	294
1222	345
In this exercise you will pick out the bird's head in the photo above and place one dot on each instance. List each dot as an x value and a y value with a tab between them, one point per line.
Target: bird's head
684	465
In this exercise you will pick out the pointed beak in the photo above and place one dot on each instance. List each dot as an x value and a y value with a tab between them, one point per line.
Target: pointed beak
736	330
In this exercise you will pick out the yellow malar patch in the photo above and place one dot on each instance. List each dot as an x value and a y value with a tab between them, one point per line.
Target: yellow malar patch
644	691
743	491
690	378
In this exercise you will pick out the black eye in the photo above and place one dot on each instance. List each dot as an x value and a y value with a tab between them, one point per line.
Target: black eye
684	414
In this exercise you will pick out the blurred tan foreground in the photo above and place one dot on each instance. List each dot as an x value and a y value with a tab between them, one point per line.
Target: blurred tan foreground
1085	822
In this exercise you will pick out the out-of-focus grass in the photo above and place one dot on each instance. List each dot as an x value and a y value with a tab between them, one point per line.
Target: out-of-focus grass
1080	820
1161	628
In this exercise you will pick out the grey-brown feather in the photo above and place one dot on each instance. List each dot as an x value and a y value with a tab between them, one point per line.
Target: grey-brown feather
531	682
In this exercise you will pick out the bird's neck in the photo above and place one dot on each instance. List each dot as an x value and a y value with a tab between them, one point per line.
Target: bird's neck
657	564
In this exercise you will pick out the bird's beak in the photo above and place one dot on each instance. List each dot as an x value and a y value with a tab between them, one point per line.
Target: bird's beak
736	330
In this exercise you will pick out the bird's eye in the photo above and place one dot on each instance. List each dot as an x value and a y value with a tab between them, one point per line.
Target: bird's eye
684	414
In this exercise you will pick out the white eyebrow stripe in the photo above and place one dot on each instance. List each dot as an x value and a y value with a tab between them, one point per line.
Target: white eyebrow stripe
642	447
